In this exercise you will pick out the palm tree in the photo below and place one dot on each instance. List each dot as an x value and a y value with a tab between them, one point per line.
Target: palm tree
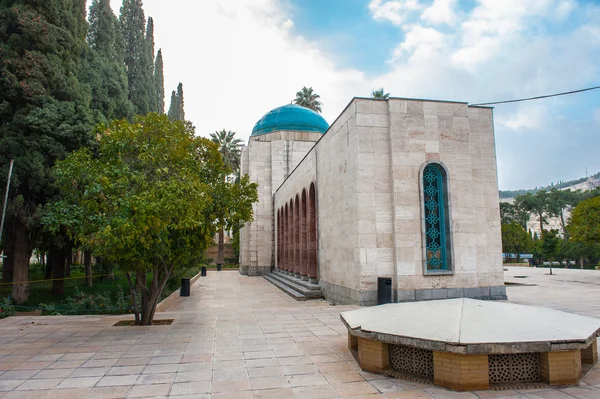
308	99
229	147
380	95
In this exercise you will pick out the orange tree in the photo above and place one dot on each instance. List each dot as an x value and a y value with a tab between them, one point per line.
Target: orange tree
142	199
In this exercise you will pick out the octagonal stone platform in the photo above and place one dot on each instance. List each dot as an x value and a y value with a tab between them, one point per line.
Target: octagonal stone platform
466	344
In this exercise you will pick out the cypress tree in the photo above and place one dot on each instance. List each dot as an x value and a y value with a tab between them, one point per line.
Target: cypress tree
44	113
150	63
173	114
159	83
176	109
141	89
180	107
105	65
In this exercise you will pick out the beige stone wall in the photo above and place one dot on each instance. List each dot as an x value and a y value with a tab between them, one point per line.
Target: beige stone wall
268	159
367	169
332	164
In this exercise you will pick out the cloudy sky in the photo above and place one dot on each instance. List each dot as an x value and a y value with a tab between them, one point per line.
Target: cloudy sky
238	59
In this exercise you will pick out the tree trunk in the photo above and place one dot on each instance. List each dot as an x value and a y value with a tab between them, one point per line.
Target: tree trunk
20	287
48	269
221	253
581	262
69	259
541	215
58	271
159	280
8	265
87	261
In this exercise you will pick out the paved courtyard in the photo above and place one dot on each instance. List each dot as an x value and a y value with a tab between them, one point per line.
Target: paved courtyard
240	337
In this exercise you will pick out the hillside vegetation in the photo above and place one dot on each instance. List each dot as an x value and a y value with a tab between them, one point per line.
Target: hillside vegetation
593	179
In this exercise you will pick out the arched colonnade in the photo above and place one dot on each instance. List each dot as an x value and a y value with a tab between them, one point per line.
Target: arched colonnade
297	235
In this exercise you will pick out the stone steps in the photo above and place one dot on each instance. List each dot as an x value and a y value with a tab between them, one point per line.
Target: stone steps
296	288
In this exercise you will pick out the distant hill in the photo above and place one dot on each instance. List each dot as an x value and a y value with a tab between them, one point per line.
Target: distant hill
580	184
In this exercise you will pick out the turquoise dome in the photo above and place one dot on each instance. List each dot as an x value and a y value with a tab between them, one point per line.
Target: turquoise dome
290	117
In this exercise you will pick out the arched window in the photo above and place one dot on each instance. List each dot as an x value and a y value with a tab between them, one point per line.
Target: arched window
436	220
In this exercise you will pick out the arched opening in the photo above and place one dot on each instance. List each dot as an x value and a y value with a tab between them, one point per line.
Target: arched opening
278	230
286	228
303	238
290	267
312	234
297	259
436	223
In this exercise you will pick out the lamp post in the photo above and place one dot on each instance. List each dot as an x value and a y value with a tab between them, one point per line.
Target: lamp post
10	168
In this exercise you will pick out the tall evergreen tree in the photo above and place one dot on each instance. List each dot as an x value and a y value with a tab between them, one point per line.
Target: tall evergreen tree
150	62
180	105
173	113
44	112
139	75
176	109
159	83
105	71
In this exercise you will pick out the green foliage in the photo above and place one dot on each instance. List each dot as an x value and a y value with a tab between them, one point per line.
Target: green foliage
81	303
44	110
536	204
229	147
6	308
176	108
308	99
515	240
159	83
139	63
550	244
143	201
104	65
585	222
235	242
510	213
380	94
558	185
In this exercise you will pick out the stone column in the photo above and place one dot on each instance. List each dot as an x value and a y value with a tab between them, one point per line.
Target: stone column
303	239
461	372
296	268
561	367
373	356
589	355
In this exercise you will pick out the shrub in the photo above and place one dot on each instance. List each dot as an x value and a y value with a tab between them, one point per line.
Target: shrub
6	308
81	303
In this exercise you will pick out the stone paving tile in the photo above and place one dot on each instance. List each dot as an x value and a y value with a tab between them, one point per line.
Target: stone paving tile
238	337
146	391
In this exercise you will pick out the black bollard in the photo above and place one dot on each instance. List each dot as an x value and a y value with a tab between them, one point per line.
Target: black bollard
185	287
218	267
203	271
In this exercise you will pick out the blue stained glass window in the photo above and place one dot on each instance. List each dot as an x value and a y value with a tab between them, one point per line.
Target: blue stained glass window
436	223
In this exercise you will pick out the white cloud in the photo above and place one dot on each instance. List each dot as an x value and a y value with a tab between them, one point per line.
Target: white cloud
420	43
440	12
395	11
238	60
526	117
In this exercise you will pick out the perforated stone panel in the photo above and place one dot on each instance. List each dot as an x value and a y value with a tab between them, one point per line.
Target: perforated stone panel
519	367
411	360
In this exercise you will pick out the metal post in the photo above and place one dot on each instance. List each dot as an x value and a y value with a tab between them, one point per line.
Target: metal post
6	197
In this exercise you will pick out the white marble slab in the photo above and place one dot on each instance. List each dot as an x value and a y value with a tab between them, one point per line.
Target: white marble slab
469	321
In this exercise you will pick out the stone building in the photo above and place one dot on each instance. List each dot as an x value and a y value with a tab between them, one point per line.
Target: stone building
400	193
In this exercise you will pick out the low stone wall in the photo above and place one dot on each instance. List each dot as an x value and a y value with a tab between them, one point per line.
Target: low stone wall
168	301
524	264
